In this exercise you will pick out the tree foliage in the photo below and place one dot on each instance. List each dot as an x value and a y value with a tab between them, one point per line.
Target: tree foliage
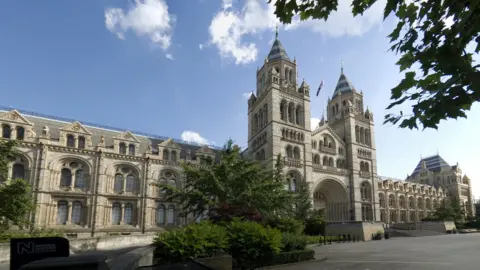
430	34
448	211
303	201
15	196
230	188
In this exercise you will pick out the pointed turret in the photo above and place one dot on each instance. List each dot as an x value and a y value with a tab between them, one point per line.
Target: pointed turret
343	85
277	51
322	121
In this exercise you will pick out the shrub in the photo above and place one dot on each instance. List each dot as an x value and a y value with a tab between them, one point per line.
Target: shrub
288	225
195	241
292	242
314	239
250	242
314	226
5	236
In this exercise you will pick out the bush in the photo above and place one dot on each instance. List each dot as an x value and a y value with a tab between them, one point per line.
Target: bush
314	226
197	241
292	242
250	242
288	225
5	236
314	239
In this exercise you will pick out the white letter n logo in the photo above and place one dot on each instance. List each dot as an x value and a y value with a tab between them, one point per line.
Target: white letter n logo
26	248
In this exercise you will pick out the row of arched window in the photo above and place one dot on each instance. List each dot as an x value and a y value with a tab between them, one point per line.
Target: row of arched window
260	155
165	215
260	119
71	141
392	202
289	112
329	161
7	132
76	213
259	141
292	135
363	135
170	155
327	142
364	153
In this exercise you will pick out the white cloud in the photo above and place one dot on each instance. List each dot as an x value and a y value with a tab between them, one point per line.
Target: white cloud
192	136
229	27
169	56
148	18
314	123
342	23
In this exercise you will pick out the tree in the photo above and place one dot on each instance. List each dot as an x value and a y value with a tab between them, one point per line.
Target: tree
15	197
233	187
449	81
303	201
448	211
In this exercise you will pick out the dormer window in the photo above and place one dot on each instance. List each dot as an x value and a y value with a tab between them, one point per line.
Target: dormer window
70	140
131	150
6	131
81	142
122	148
20	133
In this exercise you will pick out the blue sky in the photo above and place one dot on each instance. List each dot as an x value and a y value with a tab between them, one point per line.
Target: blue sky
181	68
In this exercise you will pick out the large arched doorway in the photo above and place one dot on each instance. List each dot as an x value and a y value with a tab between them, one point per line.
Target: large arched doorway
331	197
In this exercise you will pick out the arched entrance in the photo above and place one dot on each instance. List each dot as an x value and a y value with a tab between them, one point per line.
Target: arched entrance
331	196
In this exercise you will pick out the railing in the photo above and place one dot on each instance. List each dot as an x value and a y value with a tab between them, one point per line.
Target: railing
292	162
328	150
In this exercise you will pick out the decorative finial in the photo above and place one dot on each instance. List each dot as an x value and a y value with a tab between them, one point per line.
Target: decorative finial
276	31
341	66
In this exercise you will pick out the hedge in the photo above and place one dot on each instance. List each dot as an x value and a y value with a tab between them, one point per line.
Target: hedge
281	258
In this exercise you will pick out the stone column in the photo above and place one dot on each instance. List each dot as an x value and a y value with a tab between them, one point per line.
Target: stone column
69	213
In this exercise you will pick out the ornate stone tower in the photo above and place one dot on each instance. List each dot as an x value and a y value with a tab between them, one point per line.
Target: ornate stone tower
348	118
279	115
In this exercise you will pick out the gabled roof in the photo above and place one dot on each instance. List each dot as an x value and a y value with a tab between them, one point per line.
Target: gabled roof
343	85
434	163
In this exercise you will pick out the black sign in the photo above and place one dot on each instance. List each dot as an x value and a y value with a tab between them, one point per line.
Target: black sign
26	250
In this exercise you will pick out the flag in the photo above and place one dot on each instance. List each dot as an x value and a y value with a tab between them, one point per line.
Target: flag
319	88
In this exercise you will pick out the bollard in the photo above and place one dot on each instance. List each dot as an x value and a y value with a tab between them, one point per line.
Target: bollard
354	238
349	238
330	240
324	240
344	238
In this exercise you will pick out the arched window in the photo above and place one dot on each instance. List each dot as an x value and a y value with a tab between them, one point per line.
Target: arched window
6	131
357	134
402	202
118	184
18	171
289	151
330	162
62	210
131	149
65	177
296	152
282	110
420	203
128	216
265	115
174	156
381	199
411	203
122	148
391	201
130	185
325	161
286	75
77	212
116	213
20	133
298	115
160	214
79	179
70	140
165	154
365	191
316	159
291	108
171	215
81	142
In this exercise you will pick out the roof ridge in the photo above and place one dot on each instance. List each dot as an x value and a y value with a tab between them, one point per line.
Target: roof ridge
100	126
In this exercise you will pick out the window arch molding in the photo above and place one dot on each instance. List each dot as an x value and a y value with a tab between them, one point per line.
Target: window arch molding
80	170
14	167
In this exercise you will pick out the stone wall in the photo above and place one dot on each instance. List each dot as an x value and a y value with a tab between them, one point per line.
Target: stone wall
438	226
364	230
94	243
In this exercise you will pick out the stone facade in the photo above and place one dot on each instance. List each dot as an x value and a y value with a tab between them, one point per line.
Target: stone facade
92	180
338	157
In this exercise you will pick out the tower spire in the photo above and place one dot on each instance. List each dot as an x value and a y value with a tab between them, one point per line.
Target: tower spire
276	31
341	66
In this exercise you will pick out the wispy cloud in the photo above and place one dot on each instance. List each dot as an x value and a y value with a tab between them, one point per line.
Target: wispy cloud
192	136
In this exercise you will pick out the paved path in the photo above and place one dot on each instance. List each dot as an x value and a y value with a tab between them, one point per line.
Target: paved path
111	254
444	252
